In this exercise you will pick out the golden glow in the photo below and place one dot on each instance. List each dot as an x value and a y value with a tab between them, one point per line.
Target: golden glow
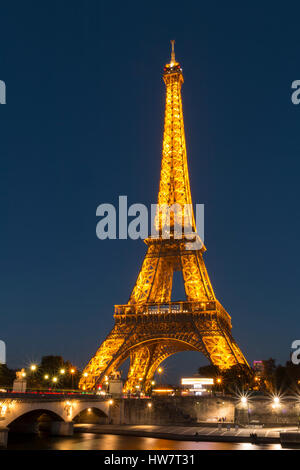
149	405
196	380
54	379
72	371
62	371
244	400
111	402
276	402
3	409
33	367
150	328
46	376
219	380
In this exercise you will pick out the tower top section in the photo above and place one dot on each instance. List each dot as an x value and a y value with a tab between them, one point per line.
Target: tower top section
173	51
172	67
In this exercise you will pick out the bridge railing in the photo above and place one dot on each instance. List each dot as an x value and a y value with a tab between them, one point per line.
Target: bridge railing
43	395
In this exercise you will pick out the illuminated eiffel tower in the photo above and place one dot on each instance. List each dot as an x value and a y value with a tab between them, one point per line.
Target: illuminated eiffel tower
150	328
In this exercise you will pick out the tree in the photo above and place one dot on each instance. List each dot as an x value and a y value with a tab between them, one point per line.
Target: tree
66	374
232	380
7	376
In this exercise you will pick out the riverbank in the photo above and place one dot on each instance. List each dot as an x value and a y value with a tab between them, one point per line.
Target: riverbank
189	433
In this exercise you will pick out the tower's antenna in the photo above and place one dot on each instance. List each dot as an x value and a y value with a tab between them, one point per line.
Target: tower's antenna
173	51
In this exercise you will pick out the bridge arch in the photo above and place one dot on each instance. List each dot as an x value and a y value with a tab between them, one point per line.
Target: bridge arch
92	415
34	417
22	412
101	408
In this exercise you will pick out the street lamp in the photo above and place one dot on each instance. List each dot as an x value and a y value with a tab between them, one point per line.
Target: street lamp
276	402
46	376
72	372
276	407
33	367
245	405
160	371
62	371
219	383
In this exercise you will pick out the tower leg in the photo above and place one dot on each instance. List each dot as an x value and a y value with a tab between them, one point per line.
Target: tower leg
108	357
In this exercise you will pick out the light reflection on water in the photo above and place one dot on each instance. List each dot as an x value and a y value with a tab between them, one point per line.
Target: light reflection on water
89	441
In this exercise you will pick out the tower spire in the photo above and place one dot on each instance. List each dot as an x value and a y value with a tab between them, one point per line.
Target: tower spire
173	52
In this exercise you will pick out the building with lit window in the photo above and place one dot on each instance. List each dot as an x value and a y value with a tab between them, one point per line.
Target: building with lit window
196	386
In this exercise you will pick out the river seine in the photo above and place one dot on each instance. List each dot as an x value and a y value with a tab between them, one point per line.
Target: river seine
89	441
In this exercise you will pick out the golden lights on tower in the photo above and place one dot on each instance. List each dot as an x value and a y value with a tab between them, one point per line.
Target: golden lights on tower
150	328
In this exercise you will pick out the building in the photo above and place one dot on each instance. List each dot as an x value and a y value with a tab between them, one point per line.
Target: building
259	368
197	386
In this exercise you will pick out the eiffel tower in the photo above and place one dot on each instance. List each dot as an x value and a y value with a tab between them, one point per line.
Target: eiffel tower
150	328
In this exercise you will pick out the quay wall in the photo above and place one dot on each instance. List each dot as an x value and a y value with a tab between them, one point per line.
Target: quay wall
196	410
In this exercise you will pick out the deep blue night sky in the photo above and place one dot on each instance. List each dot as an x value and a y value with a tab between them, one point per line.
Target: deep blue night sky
83	124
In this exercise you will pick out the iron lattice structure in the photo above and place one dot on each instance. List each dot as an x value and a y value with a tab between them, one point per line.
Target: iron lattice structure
150	328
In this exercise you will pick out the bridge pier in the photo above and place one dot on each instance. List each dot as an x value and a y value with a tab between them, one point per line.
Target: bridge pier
3	437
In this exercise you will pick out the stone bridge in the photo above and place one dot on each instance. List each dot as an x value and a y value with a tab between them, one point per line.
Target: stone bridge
27	412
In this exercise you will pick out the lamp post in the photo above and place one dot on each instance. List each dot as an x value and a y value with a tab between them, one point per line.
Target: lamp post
160	371
149	406
72	372
276	406
219	383
245	404
54	381
110	403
